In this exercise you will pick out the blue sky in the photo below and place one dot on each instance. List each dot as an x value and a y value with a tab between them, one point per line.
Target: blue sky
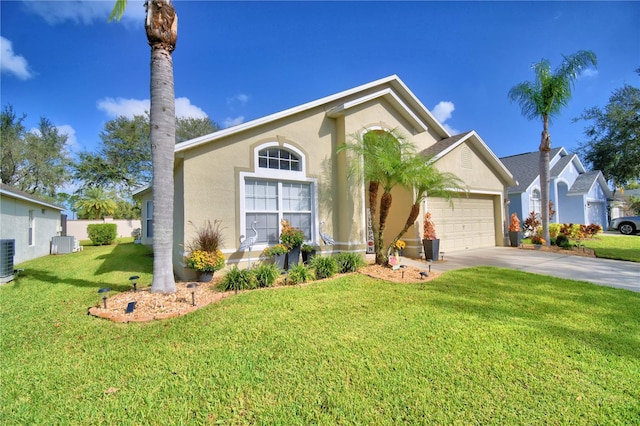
237	61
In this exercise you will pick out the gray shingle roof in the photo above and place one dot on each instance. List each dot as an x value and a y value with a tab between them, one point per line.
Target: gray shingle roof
524	168
442	145
561	164
583	183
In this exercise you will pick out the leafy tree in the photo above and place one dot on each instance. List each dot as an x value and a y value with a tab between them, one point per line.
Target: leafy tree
35	162
613	137
387	160
543	99
95	203
161	27
123	160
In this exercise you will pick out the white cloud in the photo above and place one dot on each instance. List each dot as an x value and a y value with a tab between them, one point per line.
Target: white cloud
184	109
230	122
129	107
240	98
11	63
72	140
589	73
84	11
450	129
442	111
123	107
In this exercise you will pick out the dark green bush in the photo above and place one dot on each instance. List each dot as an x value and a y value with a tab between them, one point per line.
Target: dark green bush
299	274
563	241
239	279
102	233
324	267
349	262
266	274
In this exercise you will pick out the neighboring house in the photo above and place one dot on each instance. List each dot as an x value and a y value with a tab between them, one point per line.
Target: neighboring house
285	166
578	196
30	221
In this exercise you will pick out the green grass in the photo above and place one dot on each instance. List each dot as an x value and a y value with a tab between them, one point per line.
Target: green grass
619	247
477	346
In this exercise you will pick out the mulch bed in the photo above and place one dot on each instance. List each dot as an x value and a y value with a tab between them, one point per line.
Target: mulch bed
156	306
573	251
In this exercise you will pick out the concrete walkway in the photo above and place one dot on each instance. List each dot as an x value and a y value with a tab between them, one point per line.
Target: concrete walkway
612	273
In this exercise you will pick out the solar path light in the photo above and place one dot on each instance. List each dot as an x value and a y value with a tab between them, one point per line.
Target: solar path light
192	286
134	281
104	291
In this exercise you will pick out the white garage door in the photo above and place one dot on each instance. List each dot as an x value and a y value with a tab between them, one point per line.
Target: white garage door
470	224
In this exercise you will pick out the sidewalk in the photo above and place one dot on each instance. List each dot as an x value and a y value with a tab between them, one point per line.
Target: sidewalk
607	272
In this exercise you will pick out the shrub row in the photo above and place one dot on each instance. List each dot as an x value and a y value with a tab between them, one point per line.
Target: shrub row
266	274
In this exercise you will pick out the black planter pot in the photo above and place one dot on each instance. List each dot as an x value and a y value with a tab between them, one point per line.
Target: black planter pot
431	249
514	238
280	260
307	256
293	257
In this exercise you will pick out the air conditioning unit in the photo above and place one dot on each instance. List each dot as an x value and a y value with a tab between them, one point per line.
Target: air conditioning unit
7	252
63	245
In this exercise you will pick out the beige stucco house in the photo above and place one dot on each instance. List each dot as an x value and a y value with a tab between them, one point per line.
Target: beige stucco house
285	166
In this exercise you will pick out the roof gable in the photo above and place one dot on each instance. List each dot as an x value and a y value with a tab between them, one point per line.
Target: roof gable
391	88
524	168
444	146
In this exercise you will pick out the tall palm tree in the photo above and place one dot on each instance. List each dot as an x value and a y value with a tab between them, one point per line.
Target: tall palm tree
385	159
543	99
161	25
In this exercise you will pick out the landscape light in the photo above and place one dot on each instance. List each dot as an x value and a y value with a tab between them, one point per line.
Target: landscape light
104	291
192	286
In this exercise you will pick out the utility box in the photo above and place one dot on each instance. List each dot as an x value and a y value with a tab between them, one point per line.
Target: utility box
63	245
7	252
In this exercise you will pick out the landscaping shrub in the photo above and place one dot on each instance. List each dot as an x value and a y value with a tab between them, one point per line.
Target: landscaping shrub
102	233
563	241
208	238
554	230
349	262
266	274
299	274
324	267
239	279
531	224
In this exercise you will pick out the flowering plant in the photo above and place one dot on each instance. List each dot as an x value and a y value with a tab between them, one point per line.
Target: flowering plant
400	245
429	228
514	226
204	261
291	237
275	250
536	239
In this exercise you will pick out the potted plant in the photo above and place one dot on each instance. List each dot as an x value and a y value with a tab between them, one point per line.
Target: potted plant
399	247
279	254
514	230
430	244
205	263
308	251
292	238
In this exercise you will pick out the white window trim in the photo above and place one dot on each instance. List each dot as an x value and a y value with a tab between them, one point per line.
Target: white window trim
278	175
32	228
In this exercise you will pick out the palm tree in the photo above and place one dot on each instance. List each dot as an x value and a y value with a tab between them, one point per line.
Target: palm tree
386	159
543	99
162	31
95	203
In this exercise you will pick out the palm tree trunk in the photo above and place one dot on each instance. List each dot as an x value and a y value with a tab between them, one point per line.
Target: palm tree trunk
385	205
545	148
411	220
161	29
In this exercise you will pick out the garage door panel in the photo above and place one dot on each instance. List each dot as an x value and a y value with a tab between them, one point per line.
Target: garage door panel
470	224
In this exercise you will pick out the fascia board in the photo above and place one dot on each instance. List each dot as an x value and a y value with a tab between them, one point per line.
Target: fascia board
30	200
183	146
392	97
487	153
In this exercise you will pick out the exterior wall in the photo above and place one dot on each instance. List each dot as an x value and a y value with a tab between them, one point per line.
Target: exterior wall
573	209
15	226
78	228
597	206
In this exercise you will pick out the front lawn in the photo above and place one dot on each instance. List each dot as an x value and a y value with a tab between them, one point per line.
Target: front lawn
477	346
619	247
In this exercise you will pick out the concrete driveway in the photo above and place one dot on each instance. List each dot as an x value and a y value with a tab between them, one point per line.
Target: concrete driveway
612	273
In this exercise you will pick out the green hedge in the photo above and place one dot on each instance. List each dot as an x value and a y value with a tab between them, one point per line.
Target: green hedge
102	233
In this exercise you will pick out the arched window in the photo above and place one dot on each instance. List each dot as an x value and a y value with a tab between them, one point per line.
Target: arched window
279	159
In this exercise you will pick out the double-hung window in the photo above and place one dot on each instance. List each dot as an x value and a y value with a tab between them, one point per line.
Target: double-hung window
277	190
